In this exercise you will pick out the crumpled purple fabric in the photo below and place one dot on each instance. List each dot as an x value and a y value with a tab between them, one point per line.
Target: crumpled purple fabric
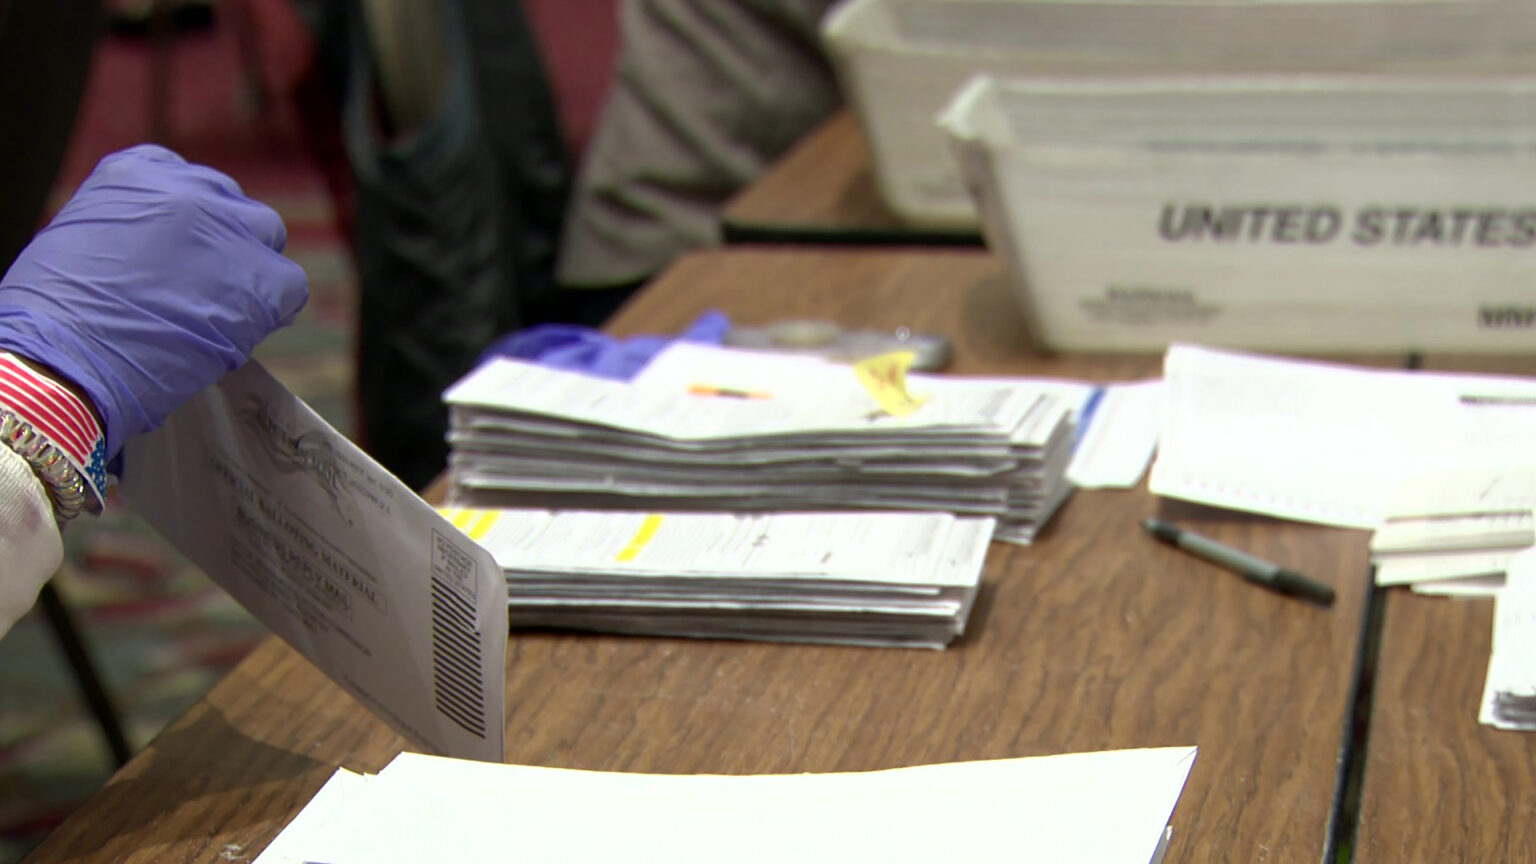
582	349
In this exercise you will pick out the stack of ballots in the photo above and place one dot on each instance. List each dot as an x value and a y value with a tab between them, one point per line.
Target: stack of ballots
887	579
711	429
1509	692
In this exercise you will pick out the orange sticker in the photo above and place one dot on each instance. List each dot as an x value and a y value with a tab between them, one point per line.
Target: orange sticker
727	392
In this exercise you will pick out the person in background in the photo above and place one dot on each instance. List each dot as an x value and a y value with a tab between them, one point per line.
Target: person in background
705	96
155	279
460	178
464	189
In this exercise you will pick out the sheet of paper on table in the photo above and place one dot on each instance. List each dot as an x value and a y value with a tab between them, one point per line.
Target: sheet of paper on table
1509	691
334	554
1117	435
1110	808
1326	443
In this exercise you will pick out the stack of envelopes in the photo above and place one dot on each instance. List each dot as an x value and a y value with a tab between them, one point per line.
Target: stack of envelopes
891	578
1509	691
526	435
1454	532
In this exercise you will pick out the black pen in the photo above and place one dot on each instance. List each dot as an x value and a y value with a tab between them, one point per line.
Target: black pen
1271	576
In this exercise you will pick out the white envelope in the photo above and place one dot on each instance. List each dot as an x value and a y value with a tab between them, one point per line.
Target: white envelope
335	555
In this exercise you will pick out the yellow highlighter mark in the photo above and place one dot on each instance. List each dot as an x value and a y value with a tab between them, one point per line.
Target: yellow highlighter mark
885	377
641	538
483	524
475	523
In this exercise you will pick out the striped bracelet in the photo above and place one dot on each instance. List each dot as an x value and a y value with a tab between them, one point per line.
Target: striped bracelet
58	435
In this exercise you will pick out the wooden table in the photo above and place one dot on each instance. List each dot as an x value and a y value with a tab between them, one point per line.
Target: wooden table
1095	637
823	191
1439	786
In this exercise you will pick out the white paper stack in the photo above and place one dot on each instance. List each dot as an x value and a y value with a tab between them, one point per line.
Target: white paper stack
526	435
1115	423
1509	694
1326	443
905	579
1110	808
1454	533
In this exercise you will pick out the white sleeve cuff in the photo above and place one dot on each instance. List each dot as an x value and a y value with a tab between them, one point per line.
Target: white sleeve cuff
31	549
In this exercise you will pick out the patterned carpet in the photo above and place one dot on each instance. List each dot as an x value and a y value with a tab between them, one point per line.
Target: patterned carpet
161	632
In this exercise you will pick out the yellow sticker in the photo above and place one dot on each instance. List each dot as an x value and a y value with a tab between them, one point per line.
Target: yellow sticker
641	538
885	377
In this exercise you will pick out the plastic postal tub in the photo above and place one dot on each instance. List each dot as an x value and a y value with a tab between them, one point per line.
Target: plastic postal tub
900	61
1321	214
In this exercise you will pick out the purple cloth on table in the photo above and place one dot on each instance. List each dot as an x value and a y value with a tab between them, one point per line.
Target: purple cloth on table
582	349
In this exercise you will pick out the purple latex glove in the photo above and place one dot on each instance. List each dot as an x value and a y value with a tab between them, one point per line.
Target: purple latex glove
582	349
156	278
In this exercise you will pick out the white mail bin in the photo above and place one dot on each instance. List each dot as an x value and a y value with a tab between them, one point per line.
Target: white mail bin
901	61
1319	214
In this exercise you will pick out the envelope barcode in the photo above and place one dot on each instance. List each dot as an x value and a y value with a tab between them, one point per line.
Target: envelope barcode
457	687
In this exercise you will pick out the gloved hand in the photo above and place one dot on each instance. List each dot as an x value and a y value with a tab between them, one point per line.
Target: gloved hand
156	278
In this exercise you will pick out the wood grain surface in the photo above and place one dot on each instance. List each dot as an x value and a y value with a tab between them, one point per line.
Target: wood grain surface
1438	785
1095	637
824	190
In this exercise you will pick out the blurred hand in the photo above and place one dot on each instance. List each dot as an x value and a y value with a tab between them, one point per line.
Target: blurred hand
156	278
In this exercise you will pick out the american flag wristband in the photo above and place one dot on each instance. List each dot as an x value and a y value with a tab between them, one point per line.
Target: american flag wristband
64	423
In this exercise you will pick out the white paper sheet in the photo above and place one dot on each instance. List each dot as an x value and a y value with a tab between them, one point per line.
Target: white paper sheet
1462	586
318	834
335	555
1119	437
1454	532
1326	443
1109	808
1408	569
1506	488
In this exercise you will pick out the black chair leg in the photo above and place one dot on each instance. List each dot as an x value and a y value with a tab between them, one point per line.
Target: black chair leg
63	624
